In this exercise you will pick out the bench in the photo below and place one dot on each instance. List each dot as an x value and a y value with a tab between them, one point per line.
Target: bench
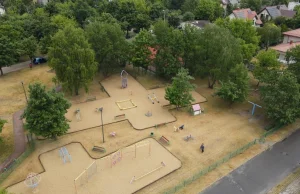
99	149
120	116
164	140
161	124
90	98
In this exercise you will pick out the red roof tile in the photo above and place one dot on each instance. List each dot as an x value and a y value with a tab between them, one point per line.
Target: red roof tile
285	47
295	33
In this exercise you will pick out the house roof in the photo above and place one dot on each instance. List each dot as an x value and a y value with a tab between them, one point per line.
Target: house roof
285	47
287	13
295	33
246	14
200	23
292	5
196	107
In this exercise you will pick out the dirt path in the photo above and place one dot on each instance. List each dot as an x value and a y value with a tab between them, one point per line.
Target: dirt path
20	142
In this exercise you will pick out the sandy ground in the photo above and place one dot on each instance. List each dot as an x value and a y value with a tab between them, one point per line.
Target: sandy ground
146	160
222	129
136	116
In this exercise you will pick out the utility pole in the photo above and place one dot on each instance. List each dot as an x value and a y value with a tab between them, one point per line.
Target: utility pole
24	92
101	109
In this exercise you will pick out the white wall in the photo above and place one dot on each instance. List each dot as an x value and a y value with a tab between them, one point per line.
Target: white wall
265	13
231	16
287	39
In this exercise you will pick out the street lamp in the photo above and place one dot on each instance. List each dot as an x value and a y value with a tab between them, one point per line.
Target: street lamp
101	109
24	92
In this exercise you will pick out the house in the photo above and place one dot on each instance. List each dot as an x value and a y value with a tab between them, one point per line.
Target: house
292	5
290	40
196	23
246	14
224	3
272	12
2	9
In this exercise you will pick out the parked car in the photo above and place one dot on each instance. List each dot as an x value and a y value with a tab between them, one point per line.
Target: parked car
39	60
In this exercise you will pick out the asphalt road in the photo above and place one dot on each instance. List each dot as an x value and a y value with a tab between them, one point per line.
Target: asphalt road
263	172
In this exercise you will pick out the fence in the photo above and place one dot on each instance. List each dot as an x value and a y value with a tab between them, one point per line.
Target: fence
220	162
17	162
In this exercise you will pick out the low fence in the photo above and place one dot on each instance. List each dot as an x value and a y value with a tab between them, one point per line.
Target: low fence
17	162
208	169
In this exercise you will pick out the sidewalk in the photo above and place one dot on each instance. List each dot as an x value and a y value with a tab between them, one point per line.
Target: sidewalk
263	172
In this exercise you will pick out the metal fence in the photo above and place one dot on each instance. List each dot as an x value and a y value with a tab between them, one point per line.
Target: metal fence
208	169
17	162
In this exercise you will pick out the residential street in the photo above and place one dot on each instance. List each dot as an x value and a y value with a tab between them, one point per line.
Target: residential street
263	172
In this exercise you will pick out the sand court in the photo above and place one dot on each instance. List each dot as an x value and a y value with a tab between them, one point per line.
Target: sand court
127	169
134	104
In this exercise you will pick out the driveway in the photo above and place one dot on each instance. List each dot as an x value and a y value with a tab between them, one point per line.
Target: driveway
263	172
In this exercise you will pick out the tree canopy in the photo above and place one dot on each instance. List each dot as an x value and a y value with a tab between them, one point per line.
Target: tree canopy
179	93
282	98
293	57
45	112
208	10
269	34
72	59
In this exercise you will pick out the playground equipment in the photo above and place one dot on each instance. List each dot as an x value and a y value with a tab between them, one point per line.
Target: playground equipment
153	98
120	116
98	149
32	181
163	139
148	114
125	108
196	109
162	164
78	115
254	106
84	177
64	154
124	79
188	138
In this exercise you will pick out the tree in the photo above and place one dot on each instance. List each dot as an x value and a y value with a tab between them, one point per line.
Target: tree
244	32
208	10
8	51
266	61
282	98
142	22
170	45
156	10
29	47
254	5
237	87
269	34
72	59
220	54
141	55
2	122
179	93
188	16
45	112
293	57
190	6
173	18
127	15
109	44
3	191
82	10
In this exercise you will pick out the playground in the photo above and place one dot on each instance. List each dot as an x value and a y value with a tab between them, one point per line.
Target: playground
125	171
132	102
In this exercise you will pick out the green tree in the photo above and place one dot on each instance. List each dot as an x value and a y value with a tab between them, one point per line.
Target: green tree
179	93
254	5
156	10
4	191
29	47
222	52
174	19
72	59
208	10
141	55
45	112
8	51
237	87
82	10
269	34
142	22
266	61
282	98
293	57
2	122
190	6
244	32
127	15
188	16
109	44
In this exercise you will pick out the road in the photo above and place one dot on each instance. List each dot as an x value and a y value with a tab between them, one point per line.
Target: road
16	67
263	172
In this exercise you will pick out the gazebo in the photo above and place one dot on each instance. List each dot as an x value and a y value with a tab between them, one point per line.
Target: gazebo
196	109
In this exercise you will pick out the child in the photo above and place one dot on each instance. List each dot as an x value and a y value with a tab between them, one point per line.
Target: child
202	147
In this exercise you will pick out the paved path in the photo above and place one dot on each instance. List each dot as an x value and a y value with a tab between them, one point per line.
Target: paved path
16	67
19	139
263	172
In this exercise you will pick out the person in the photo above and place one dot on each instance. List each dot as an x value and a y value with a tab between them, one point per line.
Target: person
202	147
30	65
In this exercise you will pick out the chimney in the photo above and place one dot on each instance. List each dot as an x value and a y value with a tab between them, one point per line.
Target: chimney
291	42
